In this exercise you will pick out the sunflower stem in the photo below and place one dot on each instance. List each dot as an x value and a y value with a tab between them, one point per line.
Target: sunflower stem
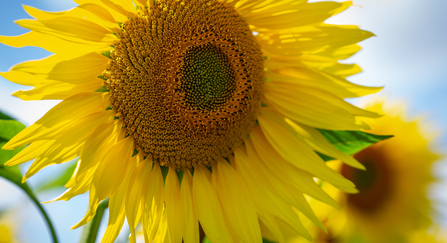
91	229
17	180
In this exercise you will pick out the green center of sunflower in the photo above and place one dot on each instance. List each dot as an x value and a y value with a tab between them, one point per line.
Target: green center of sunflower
208	78
186	79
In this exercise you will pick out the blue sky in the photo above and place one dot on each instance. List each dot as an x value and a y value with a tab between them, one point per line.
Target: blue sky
408	56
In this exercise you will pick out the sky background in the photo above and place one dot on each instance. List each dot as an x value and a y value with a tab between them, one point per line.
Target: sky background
408	56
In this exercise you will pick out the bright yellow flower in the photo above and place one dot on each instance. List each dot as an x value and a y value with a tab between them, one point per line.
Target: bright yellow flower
192	111
5	234
392	204
7	229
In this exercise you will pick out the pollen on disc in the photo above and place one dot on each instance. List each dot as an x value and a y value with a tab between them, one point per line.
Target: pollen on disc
186	78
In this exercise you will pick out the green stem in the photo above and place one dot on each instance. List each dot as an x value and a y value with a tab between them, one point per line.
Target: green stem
90	230
17	180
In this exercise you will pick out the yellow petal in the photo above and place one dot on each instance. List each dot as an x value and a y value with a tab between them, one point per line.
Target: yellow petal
299	154
116	209
56	90
69	145
314	108
117	16
154	202
124	7
208	208
190	224
66	68
153	199
81	186
40	14
173	206
57	154
266	199
113	168
50	43
30	152
317	141
309	39
21	78
89	11
163	231
109	175
133	194
72	29
287	15
97	145
236	204
49	126
287	190
260	150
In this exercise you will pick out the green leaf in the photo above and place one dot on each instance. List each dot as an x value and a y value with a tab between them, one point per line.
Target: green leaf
102	89
3	116
8	129
350	142
58	181
106	54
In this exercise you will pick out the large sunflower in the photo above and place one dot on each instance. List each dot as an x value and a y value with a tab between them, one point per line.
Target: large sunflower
193	112
392	205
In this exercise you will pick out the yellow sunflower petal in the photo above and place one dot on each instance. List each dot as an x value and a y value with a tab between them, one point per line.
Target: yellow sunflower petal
189	219
209	210
57	90
309	104
294	42
50	43
304	77
117	210
72	29
20	77
286	143
153	199
133	192
66	68
57	118
30	152
286	16
239	210
268	200
111	171
320	144
173	206
113	168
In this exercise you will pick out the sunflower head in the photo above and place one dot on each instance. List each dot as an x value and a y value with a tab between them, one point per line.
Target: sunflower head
187	93
192	114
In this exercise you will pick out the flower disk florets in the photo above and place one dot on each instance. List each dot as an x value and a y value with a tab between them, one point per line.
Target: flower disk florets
186	79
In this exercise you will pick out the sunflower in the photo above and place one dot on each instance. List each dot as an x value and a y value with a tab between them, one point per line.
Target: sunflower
192	114
392	205
7	228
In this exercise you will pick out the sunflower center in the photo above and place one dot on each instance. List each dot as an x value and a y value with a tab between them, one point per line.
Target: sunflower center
208	78
374	183
186	78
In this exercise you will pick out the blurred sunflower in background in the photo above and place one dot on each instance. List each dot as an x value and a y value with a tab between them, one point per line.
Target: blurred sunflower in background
7	228
392	205
192	114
